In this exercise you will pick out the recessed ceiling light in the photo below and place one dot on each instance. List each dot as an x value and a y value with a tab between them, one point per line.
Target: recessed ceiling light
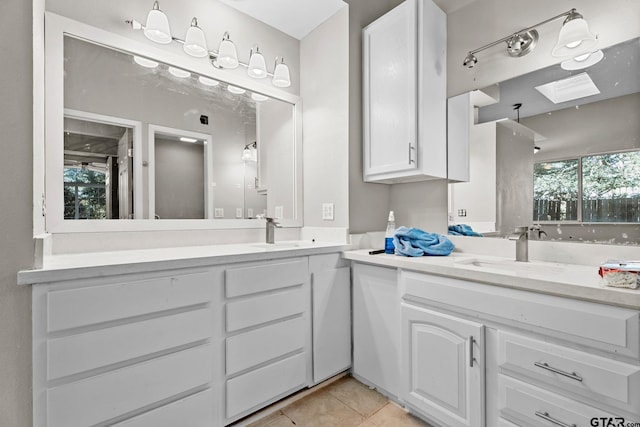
144	62
574	87
179	73
236	90
582	61
207	81
185	139
259	97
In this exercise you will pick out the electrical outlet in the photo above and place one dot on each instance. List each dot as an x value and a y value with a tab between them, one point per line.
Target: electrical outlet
250	212
462	212
279	212
238	212
218	213
327	211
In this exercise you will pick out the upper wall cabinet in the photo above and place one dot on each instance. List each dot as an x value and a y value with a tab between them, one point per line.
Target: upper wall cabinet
404	94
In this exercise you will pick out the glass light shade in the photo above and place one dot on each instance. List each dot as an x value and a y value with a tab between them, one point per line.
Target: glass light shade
144	62
227	55
257	65
281	76
259	97
236	90
195	42
157	28
177	72
207	81
582	61
573	34
246	154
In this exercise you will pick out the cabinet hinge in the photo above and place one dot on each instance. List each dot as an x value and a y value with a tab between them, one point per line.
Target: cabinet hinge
44	205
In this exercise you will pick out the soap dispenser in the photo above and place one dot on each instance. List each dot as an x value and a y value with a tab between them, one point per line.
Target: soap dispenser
389	248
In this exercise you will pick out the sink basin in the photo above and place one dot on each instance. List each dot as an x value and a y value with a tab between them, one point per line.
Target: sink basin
511	266
277	245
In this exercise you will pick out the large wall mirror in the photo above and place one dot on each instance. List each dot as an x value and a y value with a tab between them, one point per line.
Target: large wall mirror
136	135
559	147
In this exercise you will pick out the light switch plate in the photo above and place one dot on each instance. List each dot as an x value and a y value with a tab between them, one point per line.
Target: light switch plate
327	212
238	212
218	213
279	212
250	212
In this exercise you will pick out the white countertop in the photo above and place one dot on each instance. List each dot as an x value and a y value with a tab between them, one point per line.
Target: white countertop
77	266
566	280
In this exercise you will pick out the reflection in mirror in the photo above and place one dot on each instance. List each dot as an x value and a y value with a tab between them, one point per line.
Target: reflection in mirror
559	147
208	178
98	169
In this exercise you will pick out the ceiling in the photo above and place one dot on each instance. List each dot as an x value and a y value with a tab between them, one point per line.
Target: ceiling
298	18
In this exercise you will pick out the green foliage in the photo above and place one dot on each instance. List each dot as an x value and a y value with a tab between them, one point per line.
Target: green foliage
85	190
611	176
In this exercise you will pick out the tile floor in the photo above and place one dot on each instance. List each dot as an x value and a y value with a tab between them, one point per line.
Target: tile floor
343	403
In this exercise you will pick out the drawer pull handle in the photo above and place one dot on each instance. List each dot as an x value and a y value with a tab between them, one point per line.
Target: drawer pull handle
546	366
547	417
471	358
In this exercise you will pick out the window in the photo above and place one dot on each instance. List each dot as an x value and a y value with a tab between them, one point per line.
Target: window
600	188
85	195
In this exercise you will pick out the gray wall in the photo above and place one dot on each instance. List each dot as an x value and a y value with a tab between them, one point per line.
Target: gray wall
179	185
16	212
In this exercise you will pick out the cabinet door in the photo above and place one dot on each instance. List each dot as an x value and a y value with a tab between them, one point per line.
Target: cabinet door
376	323
443	366
390	92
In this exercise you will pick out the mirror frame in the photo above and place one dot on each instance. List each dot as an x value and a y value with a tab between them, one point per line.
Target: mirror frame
50	178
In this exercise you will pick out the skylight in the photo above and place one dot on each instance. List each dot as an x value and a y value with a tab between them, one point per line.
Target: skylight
574	87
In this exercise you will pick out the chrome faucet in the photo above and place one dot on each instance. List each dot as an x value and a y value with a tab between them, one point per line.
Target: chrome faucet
271	230
521	236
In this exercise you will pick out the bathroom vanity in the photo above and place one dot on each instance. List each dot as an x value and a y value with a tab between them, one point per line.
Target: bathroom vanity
201	334
486	341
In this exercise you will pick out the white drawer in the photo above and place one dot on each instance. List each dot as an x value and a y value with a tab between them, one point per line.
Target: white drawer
98	399
90	305
596	378
607	328
263	344
531	406
504	423
266	308
192	411
103	347
262	277
257	388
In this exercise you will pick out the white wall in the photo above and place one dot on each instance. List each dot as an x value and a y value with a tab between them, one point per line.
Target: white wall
16	212
324	64
484	21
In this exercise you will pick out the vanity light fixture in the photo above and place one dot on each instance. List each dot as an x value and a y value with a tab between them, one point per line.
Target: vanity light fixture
144	62
236	90
177	72
187	139
257	65
207	81
573	34
536	149
582	61
250	152
157	28
258	97
194	44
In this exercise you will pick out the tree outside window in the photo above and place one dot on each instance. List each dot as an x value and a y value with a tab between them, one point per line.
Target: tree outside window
85	194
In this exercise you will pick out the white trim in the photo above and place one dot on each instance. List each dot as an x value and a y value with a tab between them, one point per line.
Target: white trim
208	165
49	91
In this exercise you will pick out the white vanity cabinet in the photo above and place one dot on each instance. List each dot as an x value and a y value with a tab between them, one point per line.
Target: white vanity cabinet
165	345
404	94
376	328
132	350
267	333
443	366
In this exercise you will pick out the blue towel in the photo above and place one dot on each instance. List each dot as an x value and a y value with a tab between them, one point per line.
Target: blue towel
415	242
462	230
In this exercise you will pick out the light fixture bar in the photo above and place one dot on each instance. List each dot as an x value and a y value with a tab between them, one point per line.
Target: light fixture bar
524	30
213	54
